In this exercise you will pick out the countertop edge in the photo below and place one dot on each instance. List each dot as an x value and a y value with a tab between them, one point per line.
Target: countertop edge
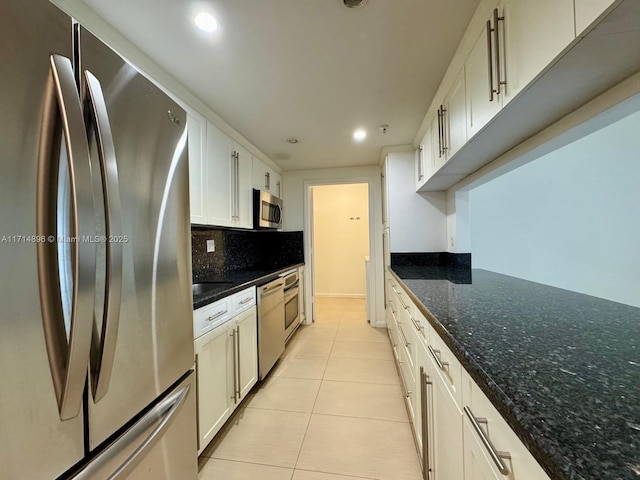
262	279
496	396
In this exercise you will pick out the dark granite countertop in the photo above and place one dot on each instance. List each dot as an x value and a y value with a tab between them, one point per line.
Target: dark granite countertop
234	281
563	368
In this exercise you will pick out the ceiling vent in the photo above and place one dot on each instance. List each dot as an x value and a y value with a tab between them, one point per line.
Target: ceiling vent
353	3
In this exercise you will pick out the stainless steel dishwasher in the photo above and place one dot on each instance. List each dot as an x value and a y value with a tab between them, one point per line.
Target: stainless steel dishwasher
270	325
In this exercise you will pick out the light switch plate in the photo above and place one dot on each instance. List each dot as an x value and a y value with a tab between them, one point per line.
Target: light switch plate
211	246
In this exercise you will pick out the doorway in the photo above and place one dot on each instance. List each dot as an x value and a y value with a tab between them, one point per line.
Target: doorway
339	235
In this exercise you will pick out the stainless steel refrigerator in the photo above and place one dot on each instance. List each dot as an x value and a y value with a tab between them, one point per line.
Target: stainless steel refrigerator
96	340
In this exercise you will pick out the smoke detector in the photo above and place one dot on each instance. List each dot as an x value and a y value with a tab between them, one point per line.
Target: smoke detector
384	128
352	4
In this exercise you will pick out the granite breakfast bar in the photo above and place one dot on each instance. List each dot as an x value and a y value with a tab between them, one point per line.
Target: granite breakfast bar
562	368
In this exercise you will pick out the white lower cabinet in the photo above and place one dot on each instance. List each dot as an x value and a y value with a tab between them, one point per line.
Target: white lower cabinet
247	340
448	411
226	363
214	375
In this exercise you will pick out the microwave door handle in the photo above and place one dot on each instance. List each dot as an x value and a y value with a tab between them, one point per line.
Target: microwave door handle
102	357
68	359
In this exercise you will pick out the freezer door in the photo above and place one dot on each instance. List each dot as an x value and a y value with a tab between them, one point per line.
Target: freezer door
160	445
38	385
143	341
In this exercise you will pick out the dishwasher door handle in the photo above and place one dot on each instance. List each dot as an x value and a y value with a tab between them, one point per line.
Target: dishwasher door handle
270	289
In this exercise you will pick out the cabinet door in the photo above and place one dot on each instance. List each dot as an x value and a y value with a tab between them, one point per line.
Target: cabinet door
480	106
477	464
447	432
420	173
429	150
535	33
247	357
244	188
220	186
438	154
587	12
301	286
214	372
276	184
259	174
455	125
197	169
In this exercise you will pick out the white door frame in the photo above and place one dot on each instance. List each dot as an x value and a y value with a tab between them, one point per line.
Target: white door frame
308	240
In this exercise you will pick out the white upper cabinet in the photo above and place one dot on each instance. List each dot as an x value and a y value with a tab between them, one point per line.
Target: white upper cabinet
455	118
535	33
197	168
219	177
587	11
482	98
520	39
425	156
244	190
266	178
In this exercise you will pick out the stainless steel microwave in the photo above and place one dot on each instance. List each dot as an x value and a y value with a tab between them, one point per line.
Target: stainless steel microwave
267	210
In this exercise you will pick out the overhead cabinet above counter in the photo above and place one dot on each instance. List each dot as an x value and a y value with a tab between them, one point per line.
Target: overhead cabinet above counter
266	178
526	69
222	176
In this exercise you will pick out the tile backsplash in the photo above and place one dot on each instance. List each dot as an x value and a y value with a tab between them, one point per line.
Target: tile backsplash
241	250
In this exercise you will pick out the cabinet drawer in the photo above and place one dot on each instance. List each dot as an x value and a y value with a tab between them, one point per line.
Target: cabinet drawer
407	339
243	300
210	316
447	366
520	464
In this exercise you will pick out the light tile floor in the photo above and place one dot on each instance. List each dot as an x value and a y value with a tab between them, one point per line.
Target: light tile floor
331	409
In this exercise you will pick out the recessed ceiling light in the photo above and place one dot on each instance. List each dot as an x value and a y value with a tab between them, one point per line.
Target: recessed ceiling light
292	141
207	22
360	134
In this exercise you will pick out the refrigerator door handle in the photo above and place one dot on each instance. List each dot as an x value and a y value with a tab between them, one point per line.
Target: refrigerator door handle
162	415
104	349
68	352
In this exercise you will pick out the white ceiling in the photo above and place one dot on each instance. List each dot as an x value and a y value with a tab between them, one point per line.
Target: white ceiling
309	69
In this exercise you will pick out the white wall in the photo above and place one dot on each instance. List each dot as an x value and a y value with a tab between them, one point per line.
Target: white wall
341	239
417	221
570	219
297	181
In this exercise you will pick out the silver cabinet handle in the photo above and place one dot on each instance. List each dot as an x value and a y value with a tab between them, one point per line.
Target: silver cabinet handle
267	180
245	301
424	383
436	356
496	36
490	60
239	384
495	455
235	366
162	414
420	154
404	339
103	355
279	189
68	360
444	130
417	326
216	315
404	305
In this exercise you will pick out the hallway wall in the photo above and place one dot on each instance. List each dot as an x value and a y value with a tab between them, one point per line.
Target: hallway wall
341	239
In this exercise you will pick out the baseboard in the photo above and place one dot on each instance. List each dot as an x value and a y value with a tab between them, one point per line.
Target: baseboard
342	295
